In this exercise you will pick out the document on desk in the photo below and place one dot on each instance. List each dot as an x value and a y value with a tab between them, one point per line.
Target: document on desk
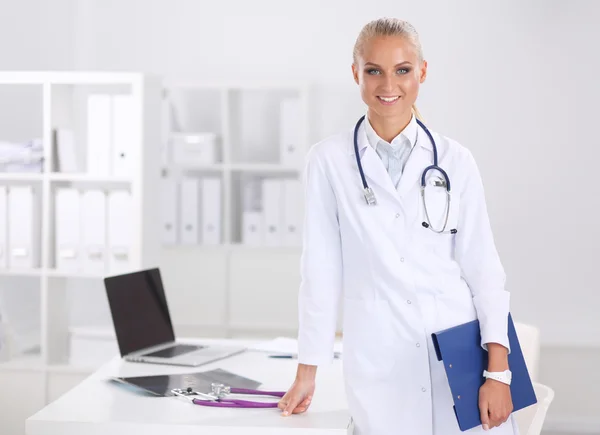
161	385
287	346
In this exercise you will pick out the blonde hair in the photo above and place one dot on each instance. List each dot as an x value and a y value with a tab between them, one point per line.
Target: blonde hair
389	27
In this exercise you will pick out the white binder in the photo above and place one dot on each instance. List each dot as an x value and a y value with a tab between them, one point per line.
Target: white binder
211	211
272	211
3	227
119	231
189	220
99	134
24	228
292	212
66	151
123	134
169	191
252	228
290	134
67	223
93	222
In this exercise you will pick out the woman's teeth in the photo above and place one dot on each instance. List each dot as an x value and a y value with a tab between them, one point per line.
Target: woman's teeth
388	100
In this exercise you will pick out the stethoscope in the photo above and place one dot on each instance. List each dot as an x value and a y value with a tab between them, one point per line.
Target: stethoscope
370	196
218	397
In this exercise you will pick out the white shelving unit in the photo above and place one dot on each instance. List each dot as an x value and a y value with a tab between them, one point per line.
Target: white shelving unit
54	100
245	290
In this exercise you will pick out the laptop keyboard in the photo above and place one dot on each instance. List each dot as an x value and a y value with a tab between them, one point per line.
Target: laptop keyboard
174	351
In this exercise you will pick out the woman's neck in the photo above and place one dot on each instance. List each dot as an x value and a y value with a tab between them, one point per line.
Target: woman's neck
388	128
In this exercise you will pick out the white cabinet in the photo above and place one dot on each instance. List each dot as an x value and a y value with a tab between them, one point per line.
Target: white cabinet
253	138
85	209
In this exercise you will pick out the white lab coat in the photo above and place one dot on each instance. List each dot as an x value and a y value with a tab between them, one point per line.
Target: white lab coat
397	281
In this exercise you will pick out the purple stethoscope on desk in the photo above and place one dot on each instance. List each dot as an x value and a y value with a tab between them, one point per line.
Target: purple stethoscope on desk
217	397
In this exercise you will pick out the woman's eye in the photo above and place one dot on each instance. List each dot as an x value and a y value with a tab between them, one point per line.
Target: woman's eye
372	71
403	70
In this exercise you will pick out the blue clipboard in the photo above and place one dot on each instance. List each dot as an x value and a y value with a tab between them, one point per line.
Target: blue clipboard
464	361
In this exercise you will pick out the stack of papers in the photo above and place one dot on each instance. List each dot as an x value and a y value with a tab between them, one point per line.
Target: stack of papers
287	346
21	157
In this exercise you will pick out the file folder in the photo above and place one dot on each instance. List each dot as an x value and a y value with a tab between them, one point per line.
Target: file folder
99	127
68	231
189	209
93	231
120	228
169	193
272	192
464	360
211	211
24	227
123	124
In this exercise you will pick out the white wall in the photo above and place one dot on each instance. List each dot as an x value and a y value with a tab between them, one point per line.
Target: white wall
513	81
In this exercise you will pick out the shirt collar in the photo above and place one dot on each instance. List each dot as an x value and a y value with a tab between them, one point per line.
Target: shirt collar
410	133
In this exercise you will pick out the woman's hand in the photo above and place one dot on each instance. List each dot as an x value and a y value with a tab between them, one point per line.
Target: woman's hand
298	398
495	403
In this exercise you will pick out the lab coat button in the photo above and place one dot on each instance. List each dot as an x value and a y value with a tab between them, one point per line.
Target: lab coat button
408	302
397	215
423	389
402	259
418	344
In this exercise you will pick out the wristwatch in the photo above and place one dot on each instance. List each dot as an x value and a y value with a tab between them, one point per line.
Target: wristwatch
505	377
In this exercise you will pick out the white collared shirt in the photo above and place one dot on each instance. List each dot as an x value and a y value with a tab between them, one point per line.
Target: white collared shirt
394	155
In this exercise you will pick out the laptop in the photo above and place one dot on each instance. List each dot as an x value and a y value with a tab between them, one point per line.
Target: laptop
143	327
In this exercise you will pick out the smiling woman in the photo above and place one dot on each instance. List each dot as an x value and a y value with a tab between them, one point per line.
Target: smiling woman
398	274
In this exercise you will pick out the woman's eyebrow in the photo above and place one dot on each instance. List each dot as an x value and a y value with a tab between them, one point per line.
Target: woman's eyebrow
406	62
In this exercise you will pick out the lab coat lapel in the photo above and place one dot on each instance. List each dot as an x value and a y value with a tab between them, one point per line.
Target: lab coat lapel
375	172
419	159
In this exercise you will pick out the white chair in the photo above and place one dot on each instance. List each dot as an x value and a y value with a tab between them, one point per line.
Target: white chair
529	339
531	419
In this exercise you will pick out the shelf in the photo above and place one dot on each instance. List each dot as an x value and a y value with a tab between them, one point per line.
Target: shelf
57	176
54	273
265	168
21	272
72	177
31	362
21	176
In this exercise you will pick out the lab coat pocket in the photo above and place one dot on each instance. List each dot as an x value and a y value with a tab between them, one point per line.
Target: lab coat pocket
368	344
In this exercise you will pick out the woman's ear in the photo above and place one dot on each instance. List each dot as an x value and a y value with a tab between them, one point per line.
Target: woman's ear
423	72
355	72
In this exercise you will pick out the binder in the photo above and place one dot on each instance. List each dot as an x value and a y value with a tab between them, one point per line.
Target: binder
292	213
169	191
252	228
119	231
3	228
24	228
99	132
290	134
211	211
464	362
93	222
272	211
123	134
66	151
67	220
189	212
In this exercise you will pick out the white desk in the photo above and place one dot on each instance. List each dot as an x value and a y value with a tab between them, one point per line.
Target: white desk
97	406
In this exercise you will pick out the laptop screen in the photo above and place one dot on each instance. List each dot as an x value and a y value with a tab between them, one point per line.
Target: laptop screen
139	310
